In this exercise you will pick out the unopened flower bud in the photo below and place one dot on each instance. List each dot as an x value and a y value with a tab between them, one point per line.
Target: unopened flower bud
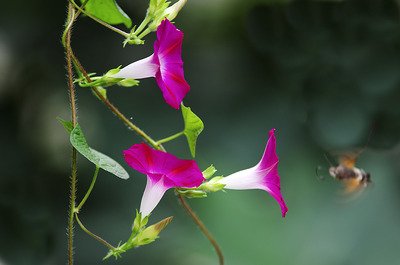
172	11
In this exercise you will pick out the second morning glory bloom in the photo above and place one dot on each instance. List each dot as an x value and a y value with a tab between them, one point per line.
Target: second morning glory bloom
263	176
164	171
165	64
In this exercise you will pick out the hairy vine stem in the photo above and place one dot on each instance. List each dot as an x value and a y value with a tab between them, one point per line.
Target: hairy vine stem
74	118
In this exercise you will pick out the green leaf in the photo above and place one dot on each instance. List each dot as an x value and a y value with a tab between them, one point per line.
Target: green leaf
101	160
193	127
109	164
108	11
67	124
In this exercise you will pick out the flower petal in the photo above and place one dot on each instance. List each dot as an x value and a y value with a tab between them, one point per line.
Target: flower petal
269	157
168	54
173	87
247	179
152	195
143	68
158	164
139	157
183	173
273	187
262	176
169	42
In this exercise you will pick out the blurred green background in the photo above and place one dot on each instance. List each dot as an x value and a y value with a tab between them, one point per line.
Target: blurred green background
326	74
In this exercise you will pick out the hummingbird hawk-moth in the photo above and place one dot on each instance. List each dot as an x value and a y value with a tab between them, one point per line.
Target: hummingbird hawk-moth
353	178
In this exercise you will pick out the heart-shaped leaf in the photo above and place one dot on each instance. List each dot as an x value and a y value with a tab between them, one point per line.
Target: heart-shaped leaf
193	127
108	11
104	162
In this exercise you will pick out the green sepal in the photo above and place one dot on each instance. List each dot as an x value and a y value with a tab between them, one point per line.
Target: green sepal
192	193
160	9
107	80
209	172
102	91
139	223
157	7
104	162
193	127
113	71
108	11
156	12
212	185
128	82
132	40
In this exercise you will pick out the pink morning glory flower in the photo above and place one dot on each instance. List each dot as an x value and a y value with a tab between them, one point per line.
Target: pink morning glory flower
164	171
262	176
165	64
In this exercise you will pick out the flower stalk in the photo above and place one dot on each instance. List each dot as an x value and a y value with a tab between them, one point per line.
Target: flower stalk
101	240
96	173
203	228
170	138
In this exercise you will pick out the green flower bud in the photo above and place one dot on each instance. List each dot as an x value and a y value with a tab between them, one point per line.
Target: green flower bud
150	234
156	7
140	235
172	11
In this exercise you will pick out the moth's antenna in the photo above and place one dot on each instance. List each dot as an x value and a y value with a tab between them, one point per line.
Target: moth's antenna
327	159
367	143
318	168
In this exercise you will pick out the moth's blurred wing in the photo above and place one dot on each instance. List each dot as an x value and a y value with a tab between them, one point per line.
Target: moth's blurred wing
353	186
348	160
352	190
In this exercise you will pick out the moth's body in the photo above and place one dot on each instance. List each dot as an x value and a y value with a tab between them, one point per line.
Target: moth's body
353	178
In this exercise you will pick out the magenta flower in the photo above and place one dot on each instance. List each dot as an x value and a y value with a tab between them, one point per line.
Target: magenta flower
262	176
165	64
164	171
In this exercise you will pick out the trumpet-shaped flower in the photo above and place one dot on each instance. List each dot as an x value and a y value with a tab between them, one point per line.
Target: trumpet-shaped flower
165	64
262	176
164	171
